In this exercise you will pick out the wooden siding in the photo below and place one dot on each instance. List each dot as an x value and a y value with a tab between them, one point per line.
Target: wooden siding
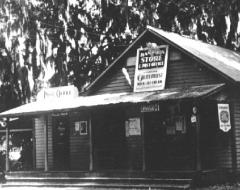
223	156
79	144
236	123
40	124
216	145
186	72
50	143
117	82
182	71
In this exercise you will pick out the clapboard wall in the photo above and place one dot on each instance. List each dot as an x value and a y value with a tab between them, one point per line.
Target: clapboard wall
79	144
182	71
40	124
235	107
50	142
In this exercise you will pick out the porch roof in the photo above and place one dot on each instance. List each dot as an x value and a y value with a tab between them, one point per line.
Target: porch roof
51	106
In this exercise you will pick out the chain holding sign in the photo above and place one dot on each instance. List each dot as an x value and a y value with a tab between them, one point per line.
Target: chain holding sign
224	117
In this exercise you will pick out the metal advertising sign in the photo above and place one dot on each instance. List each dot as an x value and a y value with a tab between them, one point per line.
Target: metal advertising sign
224	117
151	69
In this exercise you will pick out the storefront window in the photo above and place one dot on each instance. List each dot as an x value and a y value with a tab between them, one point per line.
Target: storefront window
20	150
20	145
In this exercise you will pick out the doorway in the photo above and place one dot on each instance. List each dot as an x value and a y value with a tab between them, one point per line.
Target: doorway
211	135
61	142
109	139
169	144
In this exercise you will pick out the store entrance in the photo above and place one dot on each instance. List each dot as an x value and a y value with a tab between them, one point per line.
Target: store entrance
61	142
109	139
169	142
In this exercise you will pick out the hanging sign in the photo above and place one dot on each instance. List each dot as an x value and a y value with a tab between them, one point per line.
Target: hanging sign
151	69
224	117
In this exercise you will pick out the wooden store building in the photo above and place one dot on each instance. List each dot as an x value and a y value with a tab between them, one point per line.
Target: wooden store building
167	103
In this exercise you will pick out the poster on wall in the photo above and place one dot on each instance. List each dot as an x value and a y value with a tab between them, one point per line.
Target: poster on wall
224	117
132	126
80	128
151	69
83	128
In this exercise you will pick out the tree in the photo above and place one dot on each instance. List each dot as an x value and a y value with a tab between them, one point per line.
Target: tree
58	42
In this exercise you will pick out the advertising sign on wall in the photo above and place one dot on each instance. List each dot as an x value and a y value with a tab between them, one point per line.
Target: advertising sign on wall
224	117
133	127
151	69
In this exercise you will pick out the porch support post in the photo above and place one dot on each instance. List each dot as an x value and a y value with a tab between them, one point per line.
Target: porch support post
143	143
198	156
90	143
46	144
7	147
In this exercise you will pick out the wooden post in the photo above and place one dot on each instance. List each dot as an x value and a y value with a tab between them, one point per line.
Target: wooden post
7	148
90	143
46	144
143	143
198	155
34	143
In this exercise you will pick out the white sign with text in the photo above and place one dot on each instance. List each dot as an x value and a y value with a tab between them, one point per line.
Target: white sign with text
224	117
151	69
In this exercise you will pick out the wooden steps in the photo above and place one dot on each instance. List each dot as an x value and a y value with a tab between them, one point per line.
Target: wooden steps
95	180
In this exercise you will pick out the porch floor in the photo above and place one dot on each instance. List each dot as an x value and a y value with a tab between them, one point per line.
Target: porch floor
105	179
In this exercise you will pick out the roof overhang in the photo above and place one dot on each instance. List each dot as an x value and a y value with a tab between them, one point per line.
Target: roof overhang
53	106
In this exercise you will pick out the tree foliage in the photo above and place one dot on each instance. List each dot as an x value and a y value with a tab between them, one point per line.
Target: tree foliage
58	42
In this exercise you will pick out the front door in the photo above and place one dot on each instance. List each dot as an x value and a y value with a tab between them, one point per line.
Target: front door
61	142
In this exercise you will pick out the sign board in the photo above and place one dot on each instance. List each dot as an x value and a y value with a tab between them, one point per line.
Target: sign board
133	127
224	117
151	69
58	93
151	107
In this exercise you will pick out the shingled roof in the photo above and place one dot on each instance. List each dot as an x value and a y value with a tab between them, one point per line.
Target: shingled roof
221	60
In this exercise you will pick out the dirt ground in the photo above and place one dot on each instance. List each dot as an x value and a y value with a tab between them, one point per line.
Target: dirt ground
215	187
